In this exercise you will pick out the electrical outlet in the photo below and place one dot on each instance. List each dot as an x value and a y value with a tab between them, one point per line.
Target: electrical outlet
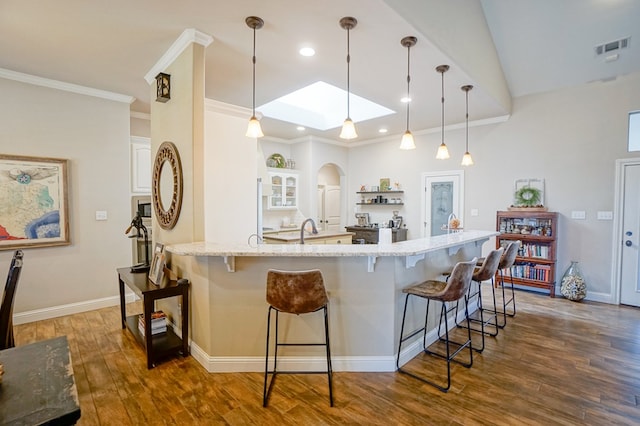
474	212
605	215
101	215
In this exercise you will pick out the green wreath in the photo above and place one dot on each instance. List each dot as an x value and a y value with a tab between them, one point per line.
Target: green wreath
528	196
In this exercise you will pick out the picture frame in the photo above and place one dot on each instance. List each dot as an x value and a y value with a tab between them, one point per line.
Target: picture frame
385	184
34	205
156	271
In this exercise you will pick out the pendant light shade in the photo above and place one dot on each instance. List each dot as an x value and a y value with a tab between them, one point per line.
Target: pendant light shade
443	151
407	141
348	128
466	158
254	130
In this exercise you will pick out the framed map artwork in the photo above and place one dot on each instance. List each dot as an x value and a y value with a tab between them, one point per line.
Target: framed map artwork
33	202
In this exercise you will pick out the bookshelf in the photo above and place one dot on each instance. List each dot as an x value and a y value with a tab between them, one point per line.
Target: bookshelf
535	265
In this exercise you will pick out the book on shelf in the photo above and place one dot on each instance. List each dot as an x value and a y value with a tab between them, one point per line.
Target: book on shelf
530	271
158	323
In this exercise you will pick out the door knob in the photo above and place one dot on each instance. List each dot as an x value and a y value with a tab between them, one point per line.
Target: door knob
628	243
628	233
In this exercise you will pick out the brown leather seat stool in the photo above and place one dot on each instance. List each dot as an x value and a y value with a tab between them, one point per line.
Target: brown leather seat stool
485	272
295	292
454	289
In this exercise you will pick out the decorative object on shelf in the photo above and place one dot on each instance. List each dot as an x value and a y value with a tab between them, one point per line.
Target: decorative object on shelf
529	195
363	188
396	186
454	222
167	161
385	184
254	130
139	226
34	209
276	161
348	128
573	286
374	188
156	272
407	141
163	87
466	158
443	151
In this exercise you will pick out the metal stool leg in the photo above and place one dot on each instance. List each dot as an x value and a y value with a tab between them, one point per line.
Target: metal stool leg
328	350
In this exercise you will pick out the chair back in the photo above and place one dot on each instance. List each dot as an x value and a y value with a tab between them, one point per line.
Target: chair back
489	266
509	257
6	309
459	281
296	292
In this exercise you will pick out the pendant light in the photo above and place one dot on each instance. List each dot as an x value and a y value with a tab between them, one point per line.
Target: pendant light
348	128
466	158
253	129
407	139
443	151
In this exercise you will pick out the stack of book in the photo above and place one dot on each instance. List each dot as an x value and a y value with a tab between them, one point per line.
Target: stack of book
158	323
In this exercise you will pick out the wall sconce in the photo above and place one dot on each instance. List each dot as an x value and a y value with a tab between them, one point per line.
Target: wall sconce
163	87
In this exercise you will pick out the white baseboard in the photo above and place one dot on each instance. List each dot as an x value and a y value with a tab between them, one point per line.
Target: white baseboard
69	309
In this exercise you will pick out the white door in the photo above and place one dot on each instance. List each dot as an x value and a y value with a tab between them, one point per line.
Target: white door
444	194
332	208
630	238
329	207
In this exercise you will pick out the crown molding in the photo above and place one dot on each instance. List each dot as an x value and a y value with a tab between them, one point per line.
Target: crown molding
67	87
188	36
229	109
140	115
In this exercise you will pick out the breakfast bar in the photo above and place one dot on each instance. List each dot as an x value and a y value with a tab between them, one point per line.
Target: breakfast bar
364	283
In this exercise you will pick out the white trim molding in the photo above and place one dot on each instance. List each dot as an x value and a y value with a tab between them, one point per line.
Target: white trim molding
67	87
188	36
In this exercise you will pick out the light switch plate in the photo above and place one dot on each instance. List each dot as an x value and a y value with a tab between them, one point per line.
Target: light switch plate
605	215
474	212
101	215
578	214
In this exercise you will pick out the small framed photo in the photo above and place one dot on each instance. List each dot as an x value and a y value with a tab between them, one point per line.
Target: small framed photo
385	184
156	271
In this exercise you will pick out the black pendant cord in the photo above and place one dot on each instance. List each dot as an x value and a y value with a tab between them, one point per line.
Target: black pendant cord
253	108
348	74
442	100
408	82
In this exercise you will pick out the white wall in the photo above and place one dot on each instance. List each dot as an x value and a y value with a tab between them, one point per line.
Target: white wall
571	138
93	134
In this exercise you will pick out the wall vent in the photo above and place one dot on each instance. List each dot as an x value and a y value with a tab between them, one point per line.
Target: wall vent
612	46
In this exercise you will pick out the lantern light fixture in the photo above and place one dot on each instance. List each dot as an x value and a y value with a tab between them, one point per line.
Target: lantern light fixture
163	87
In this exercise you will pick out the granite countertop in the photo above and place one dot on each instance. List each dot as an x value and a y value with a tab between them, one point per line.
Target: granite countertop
403	248
295	236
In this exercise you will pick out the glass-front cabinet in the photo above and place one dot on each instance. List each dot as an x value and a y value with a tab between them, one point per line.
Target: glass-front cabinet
285	191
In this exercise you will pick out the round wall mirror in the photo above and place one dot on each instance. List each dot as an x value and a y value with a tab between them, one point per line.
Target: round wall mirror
167	185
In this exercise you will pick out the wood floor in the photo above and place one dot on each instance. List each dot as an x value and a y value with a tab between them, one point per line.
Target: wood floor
557	362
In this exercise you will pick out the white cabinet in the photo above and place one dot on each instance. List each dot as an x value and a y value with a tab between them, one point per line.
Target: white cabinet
285	190
140	165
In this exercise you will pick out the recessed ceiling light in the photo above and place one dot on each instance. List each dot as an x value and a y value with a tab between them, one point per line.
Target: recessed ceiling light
383	130
405	99
301	128
307	51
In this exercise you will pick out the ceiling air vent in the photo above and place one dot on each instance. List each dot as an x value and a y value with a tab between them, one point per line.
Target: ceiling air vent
612	46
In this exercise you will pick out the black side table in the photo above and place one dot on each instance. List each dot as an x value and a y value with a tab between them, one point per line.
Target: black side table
159	345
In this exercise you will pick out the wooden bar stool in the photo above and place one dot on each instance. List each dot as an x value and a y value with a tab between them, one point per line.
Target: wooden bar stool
454	289
295	292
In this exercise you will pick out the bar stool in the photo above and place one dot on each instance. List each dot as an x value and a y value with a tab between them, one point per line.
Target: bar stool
295	292
506	264
453	290
487	271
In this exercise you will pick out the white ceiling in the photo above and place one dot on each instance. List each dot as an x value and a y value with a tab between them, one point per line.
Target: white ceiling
538	45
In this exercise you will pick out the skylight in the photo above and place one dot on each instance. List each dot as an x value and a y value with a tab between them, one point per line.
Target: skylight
321	106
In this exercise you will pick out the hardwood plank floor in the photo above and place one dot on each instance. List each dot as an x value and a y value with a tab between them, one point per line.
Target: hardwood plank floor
557	363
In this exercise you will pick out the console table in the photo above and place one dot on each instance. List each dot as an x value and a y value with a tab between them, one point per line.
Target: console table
159	345
38	385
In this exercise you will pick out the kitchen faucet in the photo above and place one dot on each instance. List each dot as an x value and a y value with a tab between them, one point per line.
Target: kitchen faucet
314	230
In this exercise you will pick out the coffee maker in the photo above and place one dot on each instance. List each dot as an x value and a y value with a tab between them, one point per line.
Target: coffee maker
363	219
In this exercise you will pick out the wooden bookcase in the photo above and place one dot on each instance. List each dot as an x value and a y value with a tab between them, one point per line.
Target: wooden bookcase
535	265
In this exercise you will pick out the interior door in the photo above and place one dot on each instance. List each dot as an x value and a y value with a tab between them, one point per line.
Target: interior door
629	273
443	196
332	207
320	218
